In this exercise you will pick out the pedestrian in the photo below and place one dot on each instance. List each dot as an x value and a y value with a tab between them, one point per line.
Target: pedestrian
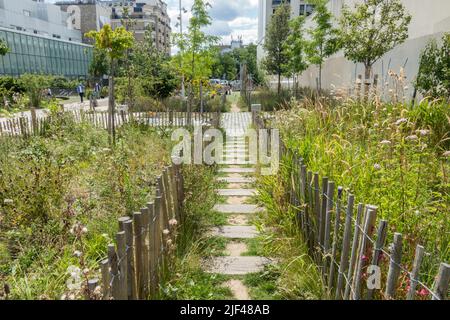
80	91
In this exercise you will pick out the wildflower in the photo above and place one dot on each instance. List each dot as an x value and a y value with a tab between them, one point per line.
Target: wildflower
385	142
169	242
412	137
423	292
173	222
376	166
446	154
77	253
166	232
400	121
364	258
423	132
8	201
84	230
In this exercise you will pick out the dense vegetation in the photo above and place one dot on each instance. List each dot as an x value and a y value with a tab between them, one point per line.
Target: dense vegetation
52	185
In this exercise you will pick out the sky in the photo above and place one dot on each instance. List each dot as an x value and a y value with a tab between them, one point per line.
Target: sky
230	18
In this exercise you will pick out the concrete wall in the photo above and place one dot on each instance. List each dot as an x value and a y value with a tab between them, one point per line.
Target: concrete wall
430	19
37	18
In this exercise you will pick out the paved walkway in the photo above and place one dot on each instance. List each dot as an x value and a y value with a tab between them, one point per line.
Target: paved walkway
237	209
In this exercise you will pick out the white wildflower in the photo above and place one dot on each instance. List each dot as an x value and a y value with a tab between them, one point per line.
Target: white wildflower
424	132
376	166
77	253
84	230
166	231
385	142
400	121
412	137
8	201
173	222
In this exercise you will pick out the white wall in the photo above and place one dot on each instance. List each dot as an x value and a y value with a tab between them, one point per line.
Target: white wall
430	19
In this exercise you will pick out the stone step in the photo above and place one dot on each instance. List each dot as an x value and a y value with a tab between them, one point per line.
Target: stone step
236	180
237	192
237	208
237	170
235	161
236	265
235	232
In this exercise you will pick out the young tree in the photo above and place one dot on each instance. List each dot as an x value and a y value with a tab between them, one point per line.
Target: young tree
115	43
323	37
277	58
248	56
433	78
295	46
3	47
372	29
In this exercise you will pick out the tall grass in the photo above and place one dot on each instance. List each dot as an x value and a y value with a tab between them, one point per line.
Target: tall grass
71	175
394	156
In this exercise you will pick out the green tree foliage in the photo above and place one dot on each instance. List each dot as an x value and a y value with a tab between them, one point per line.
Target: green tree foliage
277	59
225	65
3	47
434	73
248	56
323	37
373	28
115	43
99	64
295	46
196	47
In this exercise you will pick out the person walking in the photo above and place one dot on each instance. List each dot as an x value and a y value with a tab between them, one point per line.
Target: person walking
80	91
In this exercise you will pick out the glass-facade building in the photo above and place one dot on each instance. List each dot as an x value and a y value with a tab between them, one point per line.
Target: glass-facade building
29	53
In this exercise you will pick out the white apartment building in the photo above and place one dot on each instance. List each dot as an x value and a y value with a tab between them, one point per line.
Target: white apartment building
266	10
429	20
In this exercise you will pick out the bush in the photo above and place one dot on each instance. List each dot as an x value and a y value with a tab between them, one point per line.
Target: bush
433	79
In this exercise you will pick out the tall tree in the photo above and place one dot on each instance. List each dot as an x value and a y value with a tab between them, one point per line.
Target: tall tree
115	43
373	28
296	45
276	60
248	55
323	37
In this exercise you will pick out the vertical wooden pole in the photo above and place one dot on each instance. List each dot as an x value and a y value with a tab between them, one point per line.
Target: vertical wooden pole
414	276
381	238
104	265
329	211
145	226
337	221
138	249
394	266
152	249
354	251
343	265
323	211
442	281
131	273
361	261
122	265
112	257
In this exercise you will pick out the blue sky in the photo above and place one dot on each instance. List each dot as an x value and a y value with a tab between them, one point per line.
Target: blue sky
231	18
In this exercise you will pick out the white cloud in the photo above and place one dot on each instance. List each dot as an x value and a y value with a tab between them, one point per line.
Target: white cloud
231	18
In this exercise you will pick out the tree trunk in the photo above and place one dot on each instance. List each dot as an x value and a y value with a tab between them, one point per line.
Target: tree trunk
279	83
111	106
320	78
367	72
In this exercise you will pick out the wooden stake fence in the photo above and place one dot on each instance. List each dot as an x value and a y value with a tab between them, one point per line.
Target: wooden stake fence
345	259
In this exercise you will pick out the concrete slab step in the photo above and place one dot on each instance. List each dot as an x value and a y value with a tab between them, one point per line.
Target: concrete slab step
235	232
237	170
236	265
237	192
237	208
236	180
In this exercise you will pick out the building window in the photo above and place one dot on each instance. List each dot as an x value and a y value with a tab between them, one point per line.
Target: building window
306	9
35	31
26	13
